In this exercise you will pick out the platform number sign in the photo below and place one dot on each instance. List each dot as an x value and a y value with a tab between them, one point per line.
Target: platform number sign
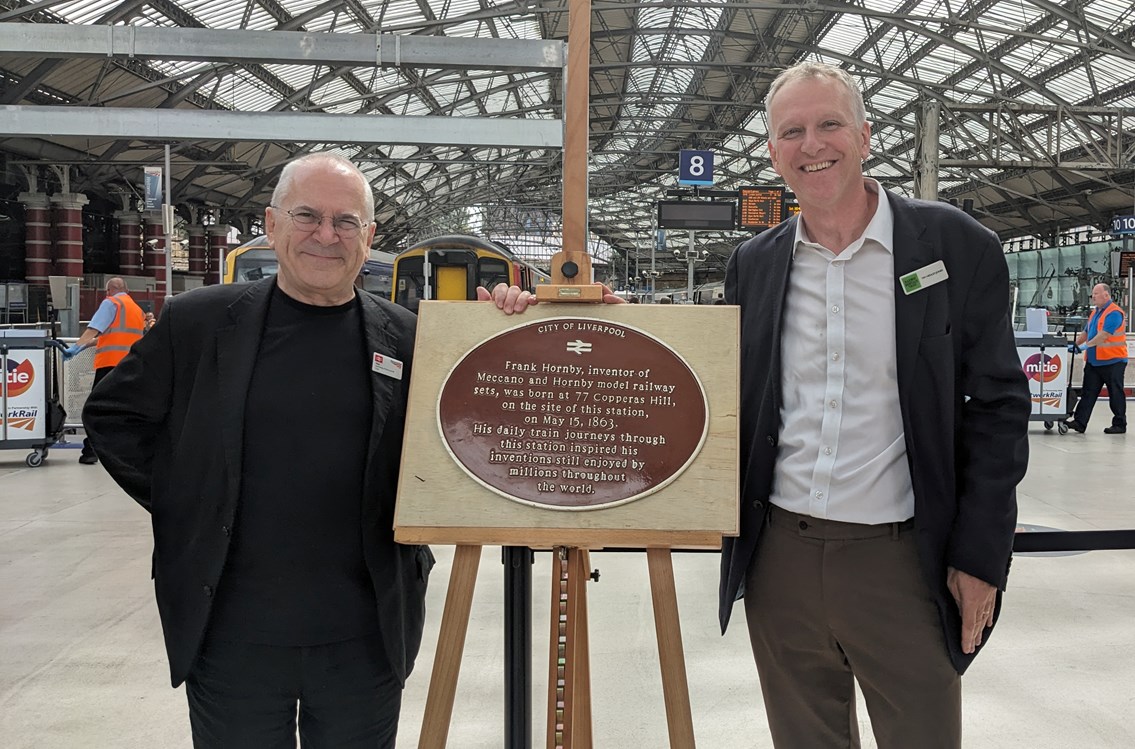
1123	225
695	167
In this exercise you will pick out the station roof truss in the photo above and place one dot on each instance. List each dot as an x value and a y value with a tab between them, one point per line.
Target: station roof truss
1036	103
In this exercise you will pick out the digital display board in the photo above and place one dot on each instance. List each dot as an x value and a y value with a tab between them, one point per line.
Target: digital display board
697	214
761	207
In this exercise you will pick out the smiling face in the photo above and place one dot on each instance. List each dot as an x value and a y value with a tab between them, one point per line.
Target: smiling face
317	266
817	142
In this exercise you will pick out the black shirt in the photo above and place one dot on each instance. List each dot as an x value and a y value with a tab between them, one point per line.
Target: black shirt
295	572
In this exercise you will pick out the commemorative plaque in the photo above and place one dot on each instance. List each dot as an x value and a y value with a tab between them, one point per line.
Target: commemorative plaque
572	413
613	427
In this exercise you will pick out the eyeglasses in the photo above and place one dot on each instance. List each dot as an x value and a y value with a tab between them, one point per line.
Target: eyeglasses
347	227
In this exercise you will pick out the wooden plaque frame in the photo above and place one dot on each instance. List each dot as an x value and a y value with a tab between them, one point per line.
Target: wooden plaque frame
438	502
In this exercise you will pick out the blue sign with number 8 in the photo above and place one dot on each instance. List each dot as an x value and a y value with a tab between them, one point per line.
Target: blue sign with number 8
695	167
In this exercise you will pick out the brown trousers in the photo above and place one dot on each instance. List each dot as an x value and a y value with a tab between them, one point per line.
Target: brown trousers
828	603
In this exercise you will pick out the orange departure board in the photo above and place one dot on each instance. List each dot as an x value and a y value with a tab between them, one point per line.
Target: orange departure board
761	207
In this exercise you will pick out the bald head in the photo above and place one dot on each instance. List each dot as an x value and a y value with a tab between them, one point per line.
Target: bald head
115	286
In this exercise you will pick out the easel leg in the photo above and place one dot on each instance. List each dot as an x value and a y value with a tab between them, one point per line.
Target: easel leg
577	681
557	658
450	645
675	688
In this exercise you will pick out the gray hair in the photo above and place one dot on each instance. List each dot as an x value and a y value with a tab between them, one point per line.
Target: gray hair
1106	288
822	71
288	176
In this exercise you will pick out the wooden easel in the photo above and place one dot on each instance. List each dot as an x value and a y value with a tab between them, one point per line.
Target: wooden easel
569	675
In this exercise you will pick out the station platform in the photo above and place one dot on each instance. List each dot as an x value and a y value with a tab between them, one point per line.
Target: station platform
82	662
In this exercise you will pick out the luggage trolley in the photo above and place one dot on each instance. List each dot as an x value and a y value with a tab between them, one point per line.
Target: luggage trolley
30	413
1047	363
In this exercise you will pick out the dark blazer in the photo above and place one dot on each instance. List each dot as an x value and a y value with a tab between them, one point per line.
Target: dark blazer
963	395
167	424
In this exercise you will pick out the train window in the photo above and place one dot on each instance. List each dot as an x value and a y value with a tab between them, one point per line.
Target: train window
410	283
491	271
253	265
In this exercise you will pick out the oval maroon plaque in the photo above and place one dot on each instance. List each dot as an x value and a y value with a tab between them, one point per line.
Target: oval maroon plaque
573	413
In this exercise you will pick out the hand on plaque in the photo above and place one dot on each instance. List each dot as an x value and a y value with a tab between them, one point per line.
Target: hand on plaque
511	300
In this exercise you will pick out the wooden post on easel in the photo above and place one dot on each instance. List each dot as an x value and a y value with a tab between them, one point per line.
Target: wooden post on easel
571	266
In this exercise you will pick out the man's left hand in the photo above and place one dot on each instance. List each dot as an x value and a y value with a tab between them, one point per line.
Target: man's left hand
512	300
976	600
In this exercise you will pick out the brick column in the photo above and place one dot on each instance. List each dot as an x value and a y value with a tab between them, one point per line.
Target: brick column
37	243
198	250
129	242
68	219
218	241
153	255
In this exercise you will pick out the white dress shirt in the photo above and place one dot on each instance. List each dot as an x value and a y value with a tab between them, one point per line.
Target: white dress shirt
842	451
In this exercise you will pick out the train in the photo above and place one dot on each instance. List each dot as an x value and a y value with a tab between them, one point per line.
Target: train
453	266
457	265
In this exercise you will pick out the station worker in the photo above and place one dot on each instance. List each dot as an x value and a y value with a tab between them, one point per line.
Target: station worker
262	425
115	326
1104	342
884	418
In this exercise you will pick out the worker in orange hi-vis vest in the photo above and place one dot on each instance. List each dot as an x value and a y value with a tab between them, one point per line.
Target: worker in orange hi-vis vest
1104	344
116	325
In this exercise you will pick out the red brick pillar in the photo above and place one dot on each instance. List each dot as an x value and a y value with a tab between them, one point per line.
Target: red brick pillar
68	220
218	247
37	243
153	253
198	250
129	242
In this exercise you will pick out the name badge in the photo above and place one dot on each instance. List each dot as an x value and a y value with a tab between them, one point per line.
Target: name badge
387	365
927	275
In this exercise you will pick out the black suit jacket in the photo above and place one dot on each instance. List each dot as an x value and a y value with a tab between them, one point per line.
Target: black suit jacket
963	396
168	424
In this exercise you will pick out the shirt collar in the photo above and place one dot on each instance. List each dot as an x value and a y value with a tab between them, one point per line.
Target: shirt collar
881	228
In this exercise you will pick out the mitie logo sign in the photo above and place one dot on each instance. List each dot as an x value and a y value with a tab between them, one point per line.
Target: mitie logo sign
20	377
1042	367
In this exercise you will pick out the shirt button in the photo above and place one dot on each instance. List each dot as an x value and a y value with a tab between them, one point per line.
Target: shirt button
835	356
819	495
832	403
827	451
835	309
207	590
225	529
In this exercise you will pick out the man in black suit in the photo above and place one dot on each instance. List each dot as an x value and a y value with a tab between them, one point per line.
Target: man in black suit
884	421
261	425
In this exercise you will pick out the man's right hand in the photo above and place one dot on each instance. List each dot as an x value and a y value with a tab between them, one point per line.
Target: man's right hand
71	351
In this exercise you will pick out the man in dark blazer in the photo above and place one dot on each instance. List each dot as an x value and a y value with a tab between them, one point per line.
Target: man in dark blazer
884	421
261	425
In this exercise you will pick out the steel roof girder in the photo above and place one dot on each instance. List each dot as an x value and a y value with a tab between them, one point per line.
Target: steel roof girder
283	47
290	127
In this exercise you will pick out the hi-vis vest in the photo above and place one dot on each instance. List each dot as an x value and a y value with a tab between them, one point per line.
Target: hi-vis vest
1115	346
114	342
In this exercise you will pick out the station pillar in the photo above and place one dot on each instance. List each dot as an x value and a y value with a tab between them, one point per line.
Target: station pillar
198	250
153	254
68	210
218	248
37	242
129	242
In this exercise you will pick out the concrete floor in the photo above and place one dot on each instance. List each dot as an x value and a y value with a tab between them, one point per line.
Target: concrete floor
82	663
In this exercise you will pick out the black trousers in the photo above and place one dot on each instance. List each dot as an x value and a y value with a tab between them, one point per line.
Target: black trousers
342	696
1095	377
99	374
